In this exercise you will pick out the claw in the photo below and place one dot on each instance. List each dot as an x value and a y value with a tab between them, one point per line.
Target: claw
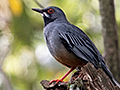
61	80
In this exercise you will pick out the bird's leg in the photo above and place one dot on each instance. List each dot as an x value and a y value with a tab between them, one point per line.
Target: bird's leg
61	80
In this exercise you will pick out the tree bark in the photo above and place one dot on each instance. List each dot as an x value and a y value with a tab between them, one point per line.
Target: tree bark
87	79
110	36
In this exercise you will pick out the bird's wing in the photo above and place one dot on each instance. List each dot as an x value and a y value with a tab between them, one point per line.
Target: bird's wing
81	46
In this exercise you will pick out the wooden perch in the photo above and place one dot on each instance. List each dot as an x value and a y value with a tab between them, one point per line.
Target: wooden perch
88	78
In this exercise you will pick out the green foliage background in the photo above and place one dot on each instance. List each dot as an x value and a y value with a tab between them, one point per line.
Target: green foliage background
24	57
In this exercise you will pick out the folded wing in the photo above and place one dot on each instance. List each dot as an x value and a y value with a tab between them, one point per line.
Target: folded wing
82	47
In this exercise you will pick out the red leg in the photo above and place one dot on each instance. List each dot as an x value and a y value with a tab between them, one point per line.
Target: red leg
60	80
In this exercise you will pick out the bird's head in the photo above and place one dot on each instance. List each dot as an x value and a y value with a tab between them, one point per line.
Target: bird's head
51	14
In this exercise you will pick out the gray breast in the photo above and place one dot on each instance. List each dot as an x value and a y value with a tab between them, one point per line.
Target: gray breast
57	49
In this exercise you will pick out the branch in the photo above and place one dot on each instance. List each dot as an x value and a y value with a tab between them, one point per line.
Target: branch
39	4
87	79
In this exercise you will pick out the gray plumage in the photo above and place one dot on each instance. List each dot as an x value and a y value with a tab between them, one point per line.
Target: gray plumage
68	44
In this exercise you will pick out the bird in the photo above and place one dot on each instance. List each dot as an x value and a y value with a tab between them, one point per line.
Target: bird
68	44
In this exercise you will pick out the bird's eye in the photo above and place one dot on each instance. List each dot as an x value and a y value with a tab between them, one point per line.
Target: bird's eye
50	11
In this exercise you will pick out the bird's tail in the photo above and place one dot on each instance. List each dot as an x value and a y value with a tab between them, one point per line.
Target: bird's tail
115	82
107	71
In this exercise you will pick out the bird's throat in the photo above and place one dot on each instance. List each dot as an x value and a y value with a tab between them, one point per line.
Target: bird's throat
47	21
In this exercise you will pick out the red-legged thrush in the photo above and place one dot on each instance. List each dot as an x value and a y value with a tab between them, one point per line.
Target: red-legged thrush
68	44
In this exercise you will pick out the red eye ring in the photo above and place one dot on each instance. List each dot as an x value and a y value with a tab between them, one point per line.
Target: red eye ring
50	11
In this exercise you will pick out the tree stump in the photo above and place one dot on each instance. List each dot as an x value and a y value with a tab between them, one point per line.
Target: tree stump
88	78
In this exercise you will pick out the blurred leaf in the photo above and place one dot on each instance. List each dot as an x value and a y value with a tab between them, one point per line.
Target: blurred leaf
16	7
23	29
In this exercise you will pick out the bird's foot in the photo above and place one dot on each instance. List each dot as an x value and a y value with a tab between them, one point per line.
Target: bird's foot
56	81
